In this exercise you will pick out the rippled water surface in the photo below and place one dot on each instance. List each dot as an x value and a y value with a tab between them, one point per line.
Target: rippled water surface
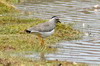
82	13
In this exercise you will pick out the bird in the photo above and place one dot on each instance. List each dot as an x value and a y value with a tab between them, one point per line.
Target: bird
45	29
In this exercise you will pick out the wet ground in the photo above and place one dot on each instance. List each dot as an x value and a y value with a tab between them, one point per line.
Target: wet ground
80	12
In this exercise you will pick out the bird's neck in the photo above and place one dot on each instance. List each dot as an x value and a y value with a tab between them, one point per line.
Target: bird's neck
52	20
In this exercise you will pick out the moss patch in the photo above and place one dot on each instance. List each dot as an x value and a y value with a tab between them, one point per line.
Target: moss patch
14	39
5	7
12	35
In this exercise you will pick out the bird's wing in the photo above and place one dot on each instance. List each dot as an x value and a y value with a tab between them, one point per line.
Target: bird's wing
43	27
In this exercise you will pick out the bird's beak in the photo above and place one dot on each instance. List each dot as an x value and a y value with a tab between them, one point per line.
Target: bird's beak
58	21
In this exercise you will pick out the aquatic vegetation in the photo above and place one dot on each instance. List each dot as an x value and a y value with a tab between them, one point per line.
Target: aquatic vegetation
14	39
12	33
5	7
8	60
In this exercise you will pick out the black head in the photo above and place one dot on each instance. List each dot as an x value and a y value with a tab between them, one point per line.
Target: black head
57	19
54	16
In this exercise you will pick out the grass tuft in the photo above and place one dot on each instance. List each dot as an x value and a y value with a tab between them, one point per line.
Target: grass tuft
13	35
14	39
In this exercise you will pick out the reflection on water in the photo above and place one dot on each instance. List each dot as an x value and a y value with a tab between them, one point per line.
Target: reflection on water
80	12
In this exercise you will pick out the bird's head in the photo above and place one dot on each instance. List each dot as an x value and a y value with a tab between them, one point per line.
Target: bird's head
56	19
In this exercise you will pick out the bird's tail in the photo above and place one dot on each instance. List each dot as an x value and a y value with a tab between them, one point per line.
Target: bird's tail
27	31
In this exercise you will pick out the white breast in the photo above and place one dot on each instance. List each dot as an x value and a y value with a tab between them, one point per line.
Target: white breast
46	34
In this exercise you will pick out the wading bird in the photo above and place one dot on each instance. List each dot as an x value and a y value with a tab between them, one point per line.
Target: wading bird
44	29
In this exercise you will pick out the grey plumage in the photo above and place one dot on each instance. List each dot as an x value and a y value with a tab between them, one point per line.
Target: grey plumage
44	27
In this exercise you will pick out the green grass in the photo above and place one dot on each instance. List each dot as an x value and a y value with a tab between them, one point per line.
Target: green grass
5	7
14	39
12	34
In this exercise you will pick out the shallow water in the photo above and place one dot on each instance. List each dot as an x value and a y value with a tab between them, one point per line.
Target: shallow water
80	12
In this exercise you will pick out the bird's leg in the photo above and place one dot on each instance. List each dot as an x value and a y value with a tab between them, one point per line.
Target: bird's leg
41	39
